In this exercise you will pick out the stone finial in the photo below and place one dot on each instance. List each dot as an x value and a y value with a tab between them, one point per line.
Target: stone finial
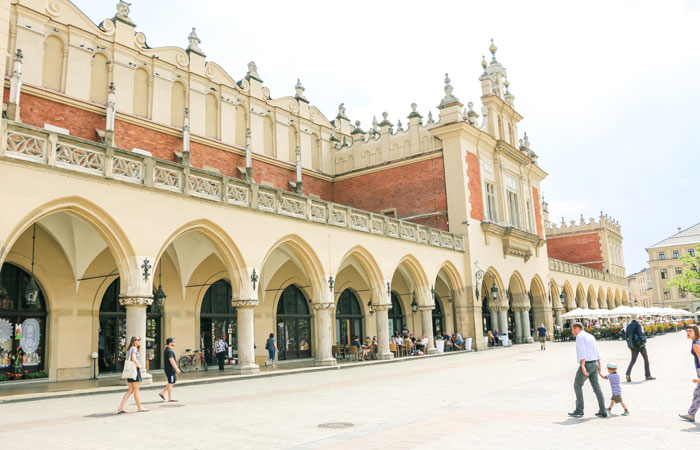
341	112
449	98
414	112
375	124
357	129
253	71
493	50
471	114
299	89
430	117
19	56
112	88
385	120
123	12
484	64
399	126
194	42
525	143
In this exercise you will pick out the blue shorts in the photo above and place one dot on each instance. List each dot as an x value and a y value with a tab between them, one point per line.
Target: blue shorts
171	378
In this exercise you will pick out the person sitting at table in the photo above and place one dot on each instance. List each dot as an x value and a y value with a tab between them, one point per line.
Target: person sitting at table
399	340
458	341
492	339
374	340
367	348
497	335
404	331
410	347
356	342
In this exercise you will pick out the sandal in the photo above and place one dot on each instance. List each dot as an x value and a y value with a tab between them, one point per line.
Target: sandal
173	400
161	396
143	410
121	411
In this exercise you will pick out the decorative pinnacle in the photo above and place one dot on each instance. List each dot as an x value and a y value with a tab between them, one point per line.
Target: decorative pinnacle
449	98
484	63
111	87
18	55
414	112
299	91
506	84
493	49
194	42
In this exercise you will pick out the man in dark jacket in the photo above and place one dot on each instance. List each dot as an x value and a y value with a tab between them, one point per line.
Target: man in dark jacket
636	344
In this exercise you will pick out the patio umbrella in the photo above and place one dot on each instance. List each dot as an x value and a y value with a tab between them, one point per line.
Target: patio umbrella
621	311
574	313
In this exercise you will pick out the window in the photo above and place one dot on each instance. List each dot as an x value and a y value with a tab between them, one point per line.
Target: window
491	203
530	221
679	270
667	294
514	209
391	212
664	274
676	254
691	252
661	255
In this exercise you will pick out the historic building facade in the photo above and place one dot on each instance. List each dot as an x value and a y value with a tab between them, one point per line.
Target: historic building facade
640	288
146	192
664	265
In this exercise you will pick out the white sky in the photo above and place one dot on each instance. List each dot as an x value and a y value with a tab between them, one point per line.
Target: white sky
609	89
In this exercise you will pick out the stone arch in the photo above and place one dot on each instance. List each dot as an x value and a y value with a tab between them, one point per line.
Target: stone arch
106	226
54	56
602	301
625	300
540	304
581	299
178	103
517	291
211	116
417	275
315	152
570	296
292	135
610	298
222	242
141	93
241	125
268	136
618	299
591	297
99	78
369	266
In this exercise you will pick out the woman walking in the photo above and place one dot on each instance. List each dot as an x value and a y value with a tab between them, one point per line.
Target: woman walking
271	347
132	354
694	335
220	347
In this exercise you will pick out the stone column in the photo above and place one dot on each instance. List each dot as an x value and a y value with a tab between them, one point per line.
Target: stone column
527	337
246	335
426	315
503	319
382	313
518	335
557	317
494	318
136	326
324	354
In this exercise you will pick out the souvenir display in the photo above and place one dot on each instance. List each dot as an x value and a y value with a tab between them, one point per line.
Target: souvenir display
5	330
31	334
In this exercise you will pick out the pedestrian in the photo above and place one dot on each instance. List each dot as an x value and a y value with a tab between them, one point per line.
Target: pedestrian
220	346
271	348
614	378
694	334
170	368
132	356
636	342
542	335
589	363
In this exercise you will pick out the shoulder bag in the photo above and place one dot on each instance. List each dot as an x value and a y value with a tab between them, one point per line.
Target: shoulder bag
129	369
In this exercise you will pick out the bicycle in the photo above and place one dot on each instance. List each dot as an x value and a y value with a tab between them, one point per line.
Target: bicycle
190	358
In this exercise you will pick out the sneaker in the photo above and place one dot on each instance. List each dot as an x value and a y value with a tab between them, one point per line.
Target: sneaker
265	363
607	410
687	417
626	413
649	378
576	414
629	379
601	414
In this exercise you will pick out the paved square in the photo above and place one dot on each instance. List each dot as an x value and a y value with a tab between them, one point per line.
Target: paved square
505	398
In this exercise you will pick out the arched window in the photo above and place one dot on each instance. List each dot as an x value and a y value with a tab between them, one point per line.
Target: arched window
211	116
218	318
397	321
292	144
112	338
315	152
241	125
141	96
293	325
438	318
53	63
16	313
177	105
268	137
99	79
348	318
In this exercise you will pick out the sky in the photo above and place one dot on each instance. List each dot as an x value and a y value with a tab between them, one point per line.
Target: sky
608	89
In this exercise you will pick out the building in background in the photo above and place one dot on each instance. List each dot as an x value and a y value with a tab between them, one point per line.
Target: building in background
664	265
639	287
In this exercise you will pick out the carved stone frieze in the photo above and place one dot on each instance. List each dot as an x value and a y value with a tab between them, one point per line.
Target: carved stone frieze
127	300
244	303
323	306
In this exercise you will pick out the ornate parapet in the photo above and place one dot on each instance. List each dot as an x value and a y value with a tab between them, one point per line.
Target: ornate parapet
136	300
603	223
48	148
583	271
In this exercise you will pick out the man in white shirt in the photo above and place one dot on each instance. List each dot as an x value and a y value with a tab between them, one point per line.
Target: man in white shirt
589	368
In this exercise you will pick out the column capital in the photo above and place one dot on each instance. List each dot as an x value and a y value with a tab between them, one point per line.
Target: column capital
499	308
322	306
382	306
245	303
423	308
135	300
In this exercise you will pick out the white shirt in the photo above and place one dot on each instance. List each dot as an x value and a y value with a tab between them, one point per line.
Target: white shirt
586	347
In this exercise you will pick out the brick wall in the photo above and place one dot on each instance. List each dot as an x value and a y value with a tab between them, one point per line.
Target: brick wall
538	211
581	248
413	189
476	201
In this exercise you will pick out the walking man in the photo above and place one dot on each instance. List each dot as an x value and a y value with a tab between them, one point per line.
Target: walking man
220	346
170	369
542	335
589	369
636	342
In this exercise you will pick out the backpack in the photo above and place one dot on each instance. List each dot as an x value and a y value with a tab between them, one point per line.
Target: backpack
638	340
267	345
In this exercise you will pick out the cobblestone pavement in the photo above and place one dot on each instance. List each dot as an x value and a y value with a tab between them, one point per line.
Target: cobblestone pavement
504	398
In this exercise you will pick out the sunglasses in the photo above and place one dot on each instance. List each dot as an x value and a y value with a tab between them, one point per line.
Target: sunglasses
137	339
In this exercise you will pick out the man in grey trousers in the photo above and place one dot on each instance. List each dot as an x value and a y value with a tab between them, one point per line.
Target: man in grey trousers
589	368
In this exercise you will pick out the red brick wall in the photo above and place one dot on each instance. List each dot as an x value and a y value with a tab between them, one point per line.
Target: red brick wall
38	111
538	211
413	189
476	201
582	249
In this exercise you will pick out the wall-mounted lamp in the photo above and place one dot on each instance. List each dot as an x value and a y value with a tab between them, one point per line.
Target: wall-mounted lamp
369	305
414	304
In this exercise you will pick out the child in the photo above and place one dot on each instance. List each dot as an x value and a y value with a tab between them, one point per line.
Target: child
614	379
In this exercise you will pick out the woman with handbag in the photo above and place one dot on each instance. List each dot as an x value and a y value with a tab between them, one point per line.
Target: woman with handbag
132	373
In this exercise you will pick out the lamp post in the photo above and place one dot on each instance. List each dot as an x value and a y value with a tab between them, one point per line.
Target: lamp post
369	305
32	291
159	296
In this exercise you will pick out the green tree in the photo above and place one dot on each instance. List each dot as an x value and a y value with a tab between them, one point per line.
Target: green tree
689	280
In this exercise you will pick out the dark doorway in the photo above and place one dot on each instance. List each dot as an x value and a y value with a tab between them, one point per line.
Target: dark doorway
218	318
293	325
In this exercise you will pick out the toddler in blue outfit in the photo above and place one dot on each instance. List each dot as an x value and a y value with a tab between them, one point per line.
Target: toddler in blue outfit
614	379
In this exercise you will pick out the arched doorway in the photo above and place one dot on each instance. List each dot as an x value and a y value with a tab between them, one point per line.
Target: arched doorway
22	322
348	318
217	318
485	315
397	320
438	319
293	325
112	333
